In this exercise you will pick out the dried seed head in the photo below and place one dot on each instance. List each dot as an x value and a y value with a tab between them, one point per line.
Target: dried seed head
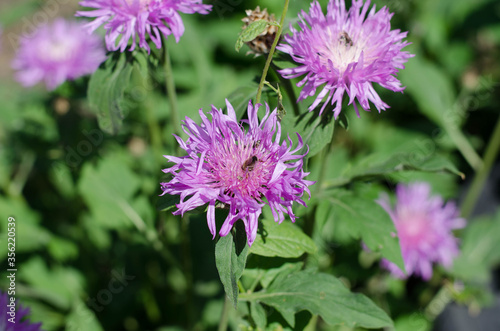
262	44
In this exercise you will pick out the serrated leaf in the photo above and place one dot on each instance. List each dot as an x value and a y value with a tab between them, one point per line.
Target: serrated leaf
82	318
316	130
364	219
106	92
251	32
230	258
284	240
324	295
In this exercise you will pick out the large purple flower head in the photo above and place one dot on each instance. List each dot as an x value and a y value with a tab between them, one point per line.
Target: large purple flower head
345	51
125	19
14	316
237	169
57	52
424	226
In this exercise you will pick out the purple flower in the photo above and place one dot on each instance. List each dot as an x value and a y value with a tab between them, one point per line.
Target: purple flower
125	19
21	323
424	226
345	51
240	170
56	53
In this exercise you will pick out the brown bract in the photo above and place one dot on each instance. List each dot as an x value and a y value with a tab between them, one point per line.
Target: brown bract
261	44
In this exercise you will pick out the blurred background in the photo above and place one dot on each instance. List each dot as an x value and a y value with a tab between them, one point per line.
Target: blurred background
93	252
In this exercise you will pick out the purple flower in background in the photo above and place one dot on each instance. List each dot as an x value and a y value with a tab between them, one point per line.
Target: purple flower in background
229	167
125	19
21	322
57	52
345	51
424	226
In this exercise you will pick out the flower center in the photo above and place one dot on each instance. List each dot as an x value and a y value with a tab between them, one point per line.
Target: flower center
342	48
56	50
413	228
242	168
339	48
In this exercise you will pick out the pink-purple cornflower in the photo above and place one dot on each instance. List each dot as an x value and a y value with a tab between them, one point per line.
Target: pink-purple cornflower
424	225
57	52
240	170
138	19
14	316
345	52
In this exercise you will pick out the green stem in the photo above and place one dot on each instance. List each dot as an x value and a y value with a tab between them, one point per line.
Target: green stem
477	184
170	86
225	315
155	132
15	187
464	147
289	90
271	53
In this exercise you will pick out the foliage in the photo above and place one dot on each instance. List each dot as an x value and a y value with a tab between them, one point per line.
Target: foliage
97	247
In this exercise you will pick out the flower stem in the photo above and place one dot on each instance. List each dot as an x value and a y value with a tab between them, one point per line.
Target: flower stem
478	182
464	147
289	90
15	187
271	53
170	86
225	315
154	131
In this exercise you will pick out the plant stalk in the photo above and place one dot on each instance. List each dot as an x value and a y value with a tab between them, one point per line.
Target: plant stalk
170	87
271	53
224	319
477	185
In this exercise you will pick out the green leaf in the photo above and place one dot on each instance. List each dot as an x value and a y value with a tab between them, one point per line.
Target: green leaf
167	202
251	32
383	165
284	240
277	274
258	314
106	92
324	295
108	189
82	318
431	89
59	286
316	130
30	235
364	219
240	97
230	258
413	322
283	61
479	251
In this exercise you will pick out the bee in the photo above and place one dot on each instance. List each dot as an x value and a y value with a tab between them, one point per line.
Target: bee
345	39
256	144
249	164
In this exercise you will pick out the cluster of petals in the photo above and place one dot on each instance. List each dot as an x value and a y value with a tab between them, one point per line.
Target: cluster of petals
57	52
138	19
424	226
237	169
345	52
21	323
